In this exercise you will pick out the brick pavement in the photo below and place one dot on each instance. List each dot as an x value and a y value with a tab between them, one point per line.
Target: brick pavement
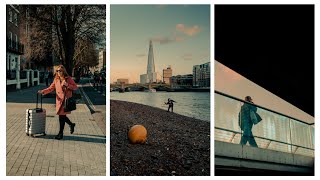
78	154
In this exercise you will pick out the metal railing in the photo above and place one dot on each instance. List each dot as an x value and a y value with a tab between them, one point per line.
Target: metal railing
276	131
11	74
35	74
23	74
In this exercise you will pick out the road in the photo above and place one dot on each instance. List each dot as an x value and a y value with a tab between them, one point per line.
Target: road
95	100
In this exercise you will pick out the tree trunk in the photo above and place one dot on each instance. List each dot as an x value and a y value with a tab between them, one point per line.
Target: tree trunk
68	36
58	34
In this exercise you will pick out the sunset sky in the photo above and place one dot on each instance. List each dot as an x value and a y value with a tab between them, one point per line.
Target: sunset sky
180	34
234	84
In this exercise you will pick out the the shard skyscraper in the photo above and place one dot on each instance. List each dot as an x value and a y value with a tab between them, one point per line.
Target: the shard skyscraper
151	75
150	68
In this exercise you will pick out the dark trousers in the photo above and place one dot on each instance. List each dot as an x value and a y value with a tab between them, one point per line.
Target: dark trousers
247	136
63	119
170	106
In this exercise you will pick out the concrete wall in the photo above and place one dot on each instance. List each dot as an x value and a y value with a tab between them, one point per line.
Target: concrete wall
236	155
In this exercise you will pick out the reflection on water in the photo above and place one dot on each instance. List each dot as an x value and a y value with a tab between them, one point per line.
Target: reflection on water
191	104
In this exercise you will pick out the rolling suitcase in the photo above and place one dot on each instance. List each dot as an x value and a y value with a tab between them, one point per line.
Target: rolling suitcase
36	120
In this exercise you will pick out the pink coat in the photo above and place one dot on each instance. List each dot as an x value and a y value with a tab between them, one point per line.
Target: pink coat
56	85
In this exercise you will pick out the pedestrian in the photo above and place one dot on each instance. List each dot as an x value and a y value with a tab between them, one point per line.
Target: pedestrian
100	82
50	77
64	85
248	116
95	79
170	103
46	77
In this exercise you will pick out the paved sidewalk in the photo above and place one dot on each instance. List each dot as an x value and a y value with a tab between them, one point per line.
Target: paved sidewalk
78	154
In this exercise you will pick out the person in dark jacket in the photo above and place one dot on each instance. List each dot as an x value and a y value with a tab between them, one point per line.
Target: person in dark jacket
247	117
170	103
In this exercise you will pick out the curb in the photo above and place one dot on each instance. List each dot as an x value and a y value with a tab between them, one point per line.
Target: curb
87	99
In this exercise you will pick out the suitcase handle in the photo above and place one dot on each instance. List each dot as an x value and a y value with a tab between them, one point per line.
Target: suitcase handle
40	100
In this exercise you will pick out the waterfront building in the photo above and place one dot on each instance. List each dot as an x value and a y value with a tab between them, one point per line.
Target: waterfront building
143	78
201	75
151	75
180	81
167	74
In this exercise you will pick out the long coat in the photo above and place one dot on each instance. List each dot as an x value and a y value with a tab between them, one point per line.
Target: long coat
57	85
244	115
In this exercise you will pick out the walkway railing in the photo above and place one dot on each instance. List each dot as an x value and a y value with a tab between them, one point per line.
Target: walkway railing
276	131
30	77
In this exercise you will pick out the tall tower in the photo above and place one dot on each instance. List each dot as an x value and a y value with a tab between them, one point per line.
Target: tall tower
151	75
150	68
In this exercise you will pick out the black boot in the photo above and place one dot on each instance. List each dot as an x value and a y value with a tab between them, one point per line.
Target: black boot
59	136
72	127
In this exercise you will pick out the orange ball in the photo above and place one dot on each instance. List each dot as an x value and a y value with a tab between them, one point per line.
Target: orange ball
137	134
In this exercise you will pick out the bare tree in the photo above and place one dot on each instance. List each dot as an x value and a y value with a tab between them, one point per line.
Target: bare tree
70	26
86	54
36	36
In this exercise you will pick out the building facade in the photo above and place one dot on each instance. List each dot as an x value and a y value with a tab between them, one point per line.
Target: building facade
14	48
167	74
201	75
181	81
102	60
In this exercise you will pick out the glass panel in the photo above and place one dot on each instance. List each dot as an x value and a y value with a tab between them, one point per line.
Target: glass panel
274	131
280	147
303	151
227	136
226	119
300	134
273	127
312	135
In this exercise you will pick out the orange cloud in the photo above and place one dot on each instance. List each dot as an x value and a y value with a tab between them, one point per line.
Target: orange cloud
190	31
166	40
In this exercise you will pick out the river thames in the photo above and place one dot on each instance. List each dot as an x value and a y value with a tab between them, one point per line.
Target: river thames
191	104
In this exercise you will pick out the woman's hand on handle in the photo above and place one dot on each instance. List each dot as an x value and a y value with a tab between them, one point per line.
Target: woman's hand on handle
40	92
64	83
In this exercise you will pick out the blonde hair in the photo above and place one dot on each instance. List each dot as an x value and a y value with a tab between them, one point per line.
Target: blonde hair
64	71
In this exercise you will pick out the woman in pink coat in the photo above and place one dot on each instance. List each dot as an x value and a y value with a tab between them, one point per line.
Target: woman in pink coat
64	85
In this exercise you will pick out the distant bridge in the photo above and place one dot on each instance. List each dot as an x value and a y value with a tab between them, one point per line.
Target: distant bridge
139	86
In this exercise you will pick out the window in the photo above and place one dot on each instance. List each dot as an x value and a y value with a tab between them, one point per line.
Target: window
10	15
9	63
16	64
16	42
15	19
10	39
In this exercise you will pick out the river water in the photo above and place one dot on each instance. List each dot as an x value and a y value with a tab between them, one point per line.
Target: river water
191	104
